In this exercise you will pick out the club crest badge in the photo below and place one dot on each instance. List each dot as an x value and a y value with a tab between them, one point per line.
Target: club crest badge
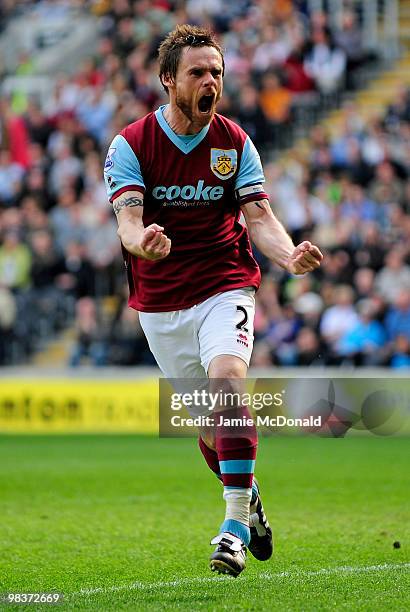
224	162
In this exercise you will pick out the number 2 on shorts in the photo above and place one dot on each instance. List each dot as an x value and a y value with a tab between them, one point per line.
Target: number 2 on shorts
242	322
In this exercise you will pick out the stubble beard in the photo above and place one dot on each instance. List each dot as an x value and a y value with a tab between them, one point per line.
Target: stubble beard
186	108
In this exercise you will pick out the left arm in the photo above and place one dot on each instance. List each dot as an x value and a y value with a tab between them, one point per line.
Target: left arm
271	238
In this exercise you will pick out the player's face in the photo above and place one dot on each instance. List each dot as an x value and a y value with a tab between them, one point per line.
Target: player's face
198	83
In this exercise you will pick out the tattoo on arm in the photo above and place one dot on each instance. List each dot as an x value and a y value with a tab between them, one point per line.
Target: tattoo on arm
134	201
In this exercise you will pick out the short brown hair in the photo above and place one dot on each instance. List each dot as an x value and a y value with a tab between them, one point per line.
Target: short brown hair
169	52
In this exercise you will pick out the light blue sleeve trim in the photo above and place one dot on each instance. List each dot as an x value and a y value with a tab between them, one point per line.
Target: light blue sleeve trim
121	168
237	466
250	171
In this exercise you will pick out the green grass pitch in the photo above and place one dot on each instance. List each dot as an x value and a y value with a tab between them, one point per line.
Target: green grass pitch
124	522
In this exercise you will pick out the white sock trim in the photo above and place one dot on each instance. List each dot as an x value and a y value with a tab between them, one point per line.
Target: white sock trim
237	504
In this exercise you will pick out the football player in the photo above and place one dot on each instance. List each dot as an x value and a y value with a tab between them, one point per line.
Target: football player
178	180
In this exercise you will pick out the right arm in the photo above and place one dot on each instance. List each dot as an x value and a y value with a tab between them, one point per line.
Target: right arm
122	173
146	242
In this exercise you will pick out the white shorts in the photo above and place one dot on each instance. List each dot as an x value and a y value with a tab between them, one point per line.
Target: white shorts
184	342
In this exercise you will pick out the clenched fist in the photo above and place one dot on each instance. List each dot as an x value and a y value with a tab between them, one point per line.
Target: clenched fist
305	258
154	243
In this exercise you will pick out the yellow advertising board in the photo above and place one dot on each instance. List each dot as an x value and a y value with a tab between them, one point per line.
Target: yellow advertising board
64	406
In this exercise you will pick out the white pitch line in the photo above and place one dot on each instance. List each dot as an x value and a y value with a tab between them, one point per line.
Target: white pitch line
139	586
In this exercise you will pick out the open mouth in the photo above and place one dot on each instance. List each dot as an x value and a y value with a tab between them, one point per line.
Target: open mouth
205	104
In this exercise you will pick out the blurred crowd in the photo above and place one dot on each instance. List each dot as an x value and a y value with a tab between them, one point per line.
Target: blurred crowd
60	260
350	195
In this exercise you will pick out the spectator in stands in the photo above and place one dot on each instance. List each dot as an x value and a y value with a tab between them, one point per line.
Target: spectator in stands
406	199
78	279
364	282
34	219
95	113
38	157
90	342
8	314
299	215
358	207
6	9
339	267
127	343
373	143
46	263
275	101
89	74
15	262
401	353
261	355
35	186
342	144
11	175
363	344
280	333
319	151
349	38
46	296
372	247
308	349
309	307
93	183
118	9
63	99
104	261
251	117
66	219
124	38
397	321
199	12
38	126
296	78
15	135
338	320
325	63
65	171
272	51
399	111
12	221
386	187
393	277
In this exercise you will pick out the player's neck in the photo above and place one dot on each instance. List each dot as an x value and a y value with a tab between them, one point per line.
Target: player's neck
179	122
